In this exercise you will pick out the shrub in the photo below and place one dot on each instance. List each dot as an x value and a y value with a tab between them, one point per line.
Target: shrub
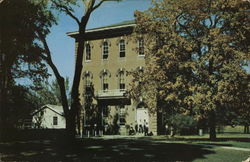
183	124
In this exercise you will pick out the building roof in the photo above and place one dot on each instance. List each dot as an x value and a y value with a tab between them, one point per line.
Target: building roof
57	109
128	23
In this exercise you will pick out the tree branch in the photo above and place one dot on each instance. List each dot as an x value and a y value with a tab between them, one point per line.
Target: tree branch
97	5
60	79
66	10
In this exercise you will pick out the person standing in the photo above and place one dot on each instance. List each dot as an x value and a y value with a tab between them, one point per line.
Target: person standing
146	129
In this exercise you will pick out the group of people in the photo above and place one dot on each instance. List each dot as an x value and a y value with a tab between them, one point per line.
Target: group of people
141	129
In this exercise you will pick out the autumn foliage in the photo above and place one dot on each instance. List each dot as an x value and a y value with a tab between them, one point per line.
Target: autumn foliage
197	53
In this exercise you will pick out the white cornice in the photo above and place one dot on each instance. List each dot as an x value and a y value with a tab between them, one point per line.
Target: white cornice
101	29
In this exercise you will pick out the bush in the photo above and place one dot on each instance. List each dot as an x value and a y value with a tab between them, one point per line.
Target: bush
183	124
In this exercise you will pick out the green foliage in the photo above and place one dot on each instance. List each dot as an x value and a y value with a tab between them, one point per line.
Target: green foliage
20	51
20	56
183	124
48	93
195	53
55	89
19	105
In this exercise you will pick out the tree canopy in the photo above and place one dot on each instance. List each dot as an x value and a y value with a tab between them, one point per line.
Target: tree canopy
20	54
196	50
20	51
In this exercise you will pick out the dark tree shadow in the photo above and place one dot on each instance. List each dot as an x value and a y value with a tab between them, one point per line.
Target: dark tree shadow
101	150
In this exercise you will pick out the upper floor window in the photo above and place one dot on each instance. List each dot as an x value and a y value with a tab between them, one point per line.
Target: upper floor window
55	120
141	47
121	80
105	85
122	48
105	50
140	71
88	52
87	80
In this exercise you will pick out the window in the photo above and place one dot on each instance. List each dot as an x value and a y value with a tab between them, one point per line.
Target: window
121	80
122	115
87	80
141	47
87	85
55	122
88	52
122	48
105	50
105	111
141	74
105	84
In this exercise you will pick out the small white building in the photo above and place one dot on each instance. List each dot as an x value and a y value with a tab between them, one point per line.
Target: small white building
49	117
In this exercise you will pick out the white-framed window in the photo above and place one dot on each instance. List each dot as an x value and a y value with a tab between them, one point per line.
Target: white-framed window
122	115
55	120
87	84
122	48
140	73
87	80
105	50
88	52
105	85
141	47
121	79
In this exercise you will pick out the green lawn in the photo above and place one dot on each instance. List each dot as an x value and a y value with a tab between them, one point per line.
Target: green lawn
236	129
155	148
224	155
226	139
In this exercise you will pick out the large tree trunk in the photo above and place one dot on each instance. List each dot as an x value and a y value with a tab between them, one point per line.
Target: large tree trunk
71	114
75	104
212	125
70	126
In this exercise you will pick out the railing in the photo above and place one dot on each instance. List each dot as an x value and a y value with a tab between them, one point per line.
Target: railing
120	93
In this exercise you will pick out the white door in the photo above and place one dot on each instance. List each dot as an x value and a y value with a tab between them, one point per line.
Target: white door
141	116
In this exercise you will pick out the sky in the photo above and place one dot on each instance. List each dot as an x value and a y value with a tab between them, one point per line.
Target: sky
62	46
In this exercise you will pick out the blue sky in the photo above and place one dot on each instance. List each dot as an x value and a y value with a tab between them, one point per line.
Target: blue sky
62	46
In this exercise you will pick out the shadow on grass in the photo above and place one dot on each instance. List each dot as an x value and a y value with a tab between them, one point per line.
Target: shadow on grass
100	150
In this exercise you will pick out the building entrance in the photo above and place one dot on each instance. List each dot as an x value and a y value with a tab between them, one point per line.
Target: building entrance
142	116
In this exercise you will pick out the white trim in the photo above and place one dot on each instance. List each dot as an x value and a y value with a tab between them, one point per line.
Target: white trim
51	108
141	56
120	48
87	44
105	41
101	29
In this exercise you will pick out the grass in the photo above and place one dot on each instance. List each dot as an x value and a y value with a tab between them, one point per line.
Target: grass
236	129
224	155
101	149
156	148
226	139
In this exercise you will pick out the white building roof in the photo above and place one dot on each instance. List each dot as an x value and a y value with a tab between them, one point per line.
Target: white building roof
57	109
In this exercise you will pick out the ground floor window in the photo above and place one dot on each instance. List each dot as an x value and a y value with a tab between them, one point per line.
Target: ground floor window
122	115
55	120
105	110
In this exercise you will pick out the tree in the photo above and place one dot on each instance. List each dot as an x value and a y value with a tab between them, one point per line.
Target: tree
66	7
48	93
196	50
20	52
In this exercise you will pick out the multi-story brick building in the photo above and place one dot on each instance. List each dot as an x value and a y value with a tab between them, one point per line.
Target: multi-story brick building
110	52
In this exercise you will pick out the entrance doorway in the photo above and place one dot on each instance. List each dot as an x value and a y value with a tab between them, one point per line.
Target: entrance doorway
142	116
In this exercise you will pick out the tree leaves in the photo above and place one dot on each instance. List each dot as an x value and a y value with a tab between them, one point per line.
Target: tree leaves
195	53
